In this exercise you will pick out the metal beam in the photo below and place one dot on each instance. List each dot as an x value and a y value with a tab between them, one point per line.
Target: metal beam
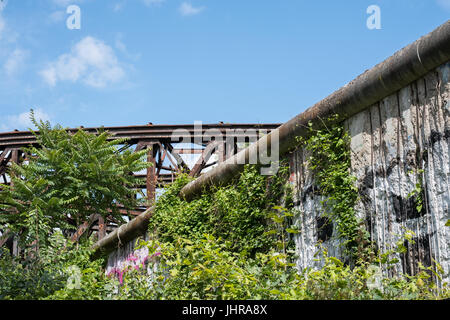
201	162
85	226
20	139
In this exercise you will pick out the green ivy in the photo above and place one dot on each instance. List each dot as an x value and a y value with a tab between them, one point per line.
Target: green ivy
330	163
418	191
239	213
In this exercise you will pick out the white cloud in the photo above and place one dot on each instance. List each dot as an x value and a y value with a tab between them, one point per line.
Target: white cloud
2	20
2	25
123	48
15	61
119	44
22	121
186	9
90	61
118	6
444	4
3	4
149	3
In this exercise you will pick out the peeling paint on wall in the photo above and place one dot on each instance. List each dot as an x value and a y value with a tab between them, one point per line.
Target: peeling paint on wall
395	143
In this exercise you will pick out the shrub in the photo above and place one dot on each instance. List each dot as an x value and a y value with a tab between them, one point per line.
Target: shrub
68	178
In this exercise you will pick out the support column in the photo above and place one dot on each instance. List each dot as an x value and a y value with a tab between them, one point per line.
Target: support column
222	152
152	149
15	244
101	228
15	156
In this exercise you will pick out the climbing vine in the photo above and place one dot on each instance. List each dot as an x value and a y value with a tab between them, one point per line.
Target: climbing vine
240	213
418	191
329	161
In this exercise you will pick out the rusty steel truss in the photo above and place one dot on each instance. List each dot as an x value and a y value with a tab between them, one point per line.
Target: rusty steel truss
164	152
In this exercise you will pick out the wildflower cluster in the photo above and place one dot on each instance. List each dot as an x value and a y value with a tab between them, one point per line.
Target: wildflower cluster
138	260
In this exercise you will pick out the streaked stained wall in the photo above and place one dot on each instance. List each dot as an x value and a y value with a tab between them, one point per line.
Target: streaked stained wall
393	142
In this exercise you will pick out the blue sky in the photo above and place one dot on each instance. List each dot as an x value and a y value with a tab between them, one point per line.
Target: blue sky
175	61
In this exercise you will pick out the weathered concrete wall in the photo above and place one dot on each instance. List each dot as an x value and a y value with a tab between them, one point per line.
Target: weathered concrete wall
391	141
126	256
129	256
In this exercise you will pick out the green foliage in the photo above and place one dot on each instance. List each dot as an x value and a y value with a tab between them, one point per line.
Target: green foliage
239	214
418	190
206	269
49	275
68	178
26	280
330	162
366	281
281	218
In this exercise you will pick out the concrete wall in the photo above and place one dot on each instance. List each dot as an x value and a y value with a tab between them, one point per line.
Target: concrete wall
390	142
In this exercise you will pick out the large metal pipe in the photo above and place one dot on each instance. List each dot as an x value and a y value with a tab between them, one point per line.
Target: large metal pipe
404	67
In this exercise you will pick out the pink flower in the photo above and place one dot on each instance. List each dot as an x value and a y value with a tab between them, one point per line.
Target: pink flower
113	272
132	258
